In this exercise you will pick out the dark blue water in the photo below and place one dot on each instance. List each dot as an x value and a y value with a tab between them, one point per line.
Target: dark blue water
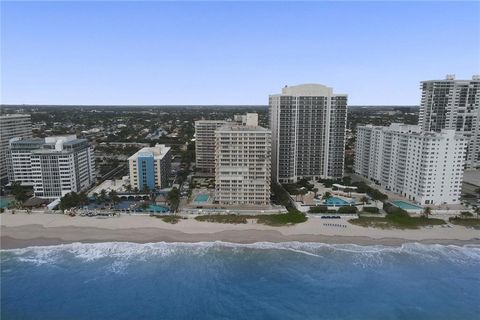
229	281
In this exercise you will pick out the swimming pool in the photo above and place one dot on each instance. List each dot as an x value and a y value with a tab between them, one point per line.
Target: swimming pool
4	202
201	198
405	205
334	201
157	208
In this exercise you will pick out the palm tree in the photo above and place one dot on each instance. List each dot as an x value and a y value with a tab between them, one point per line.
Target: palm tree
103	195
364	199
326	195
477	212
128	187
113	195
427	211
146	189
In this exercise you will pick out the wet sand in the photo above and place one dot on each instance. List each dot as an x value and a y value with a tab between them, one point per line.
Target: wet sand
23	230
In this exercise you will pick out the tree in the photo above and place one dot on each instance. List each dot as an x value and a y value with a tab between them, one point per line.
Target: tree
83	198
18	192
477	212
364	199
103	196
146	189
174	198
427	211
113	195
70	200
326	195
128	187
315	190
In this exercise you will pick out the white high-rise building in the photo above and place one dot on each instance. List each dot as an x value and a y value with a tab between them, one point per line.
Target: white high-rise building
54	166
205	144
425	167
150	167
455	105
308	125
12	126
243	163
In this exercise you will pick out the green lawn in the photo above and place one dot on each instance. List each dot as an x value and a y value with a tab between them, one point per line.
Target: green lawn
396	221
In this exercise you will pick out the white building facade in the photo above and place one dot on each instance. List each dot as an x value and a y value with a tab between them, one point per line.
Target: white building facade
54	166
425	167
308	124
455	105
150	167
12	126
243	163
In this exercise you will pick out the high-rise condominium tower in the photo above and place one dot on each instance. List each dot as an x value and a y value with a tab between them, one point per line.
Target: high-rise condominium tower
425	167
243	163
308	133
12	126
455	105
205	144
54	166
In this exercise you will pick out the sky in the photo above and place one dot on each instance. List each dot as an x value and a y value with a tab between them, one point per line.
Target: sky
165	53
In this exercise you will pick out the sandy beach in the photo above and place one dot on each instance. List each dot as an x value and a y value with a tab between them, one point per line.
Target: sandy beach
22	230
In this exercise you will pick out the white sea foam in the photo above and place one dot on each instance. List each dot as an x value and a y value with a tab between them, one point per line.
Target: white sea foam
372	254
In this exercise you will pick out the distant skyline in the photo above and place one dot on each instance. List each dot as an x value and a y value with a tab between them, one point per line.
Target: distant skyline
232	53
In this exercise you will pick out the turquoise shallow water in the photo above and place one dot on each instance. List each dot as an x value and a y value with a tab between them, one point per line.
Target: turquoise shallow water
405	205
4	202
214	280
334	201
202	198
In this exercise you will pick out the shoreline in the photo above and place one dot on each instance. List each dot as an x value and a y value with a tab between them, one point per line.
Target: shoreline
241	237
23	230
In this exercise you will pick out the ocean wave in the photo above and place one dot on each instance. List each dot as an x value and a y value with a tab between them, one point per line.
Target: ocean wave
371	254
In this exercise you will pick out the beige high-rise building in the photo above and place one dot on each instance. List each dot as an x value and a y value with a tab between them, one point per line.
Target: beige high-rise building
12	126
243	163
205	144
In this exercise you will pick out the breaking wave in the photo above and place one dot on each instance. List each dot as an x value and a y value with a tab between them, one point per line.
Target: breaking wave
134	251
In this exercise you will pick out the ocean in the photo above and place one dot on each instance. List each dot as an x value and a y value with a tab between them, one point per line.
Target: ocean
217	280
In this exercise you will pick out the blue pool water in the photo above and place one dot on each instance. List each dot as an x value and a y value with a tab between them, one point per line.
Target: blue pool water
157	208
405	205
201	198
4	202
215	280
334	201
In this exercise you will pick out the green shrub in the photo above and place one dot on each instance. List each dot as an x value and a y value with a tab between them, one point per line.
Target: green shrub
371	209
362	187
293	216
347	209
318	209
466	214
